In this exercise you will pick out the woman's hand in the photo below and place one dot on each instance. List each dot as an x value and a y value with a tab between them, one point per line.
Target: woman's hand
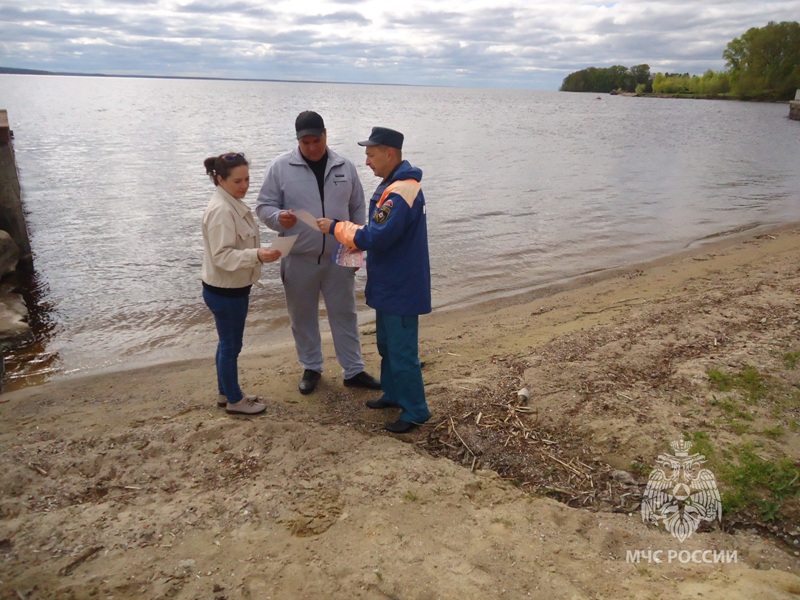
266	255
287	219
324	225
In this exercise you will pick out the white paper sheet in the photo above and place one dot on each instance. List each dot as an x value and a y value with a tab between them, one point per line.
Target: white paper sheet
307	218
284	244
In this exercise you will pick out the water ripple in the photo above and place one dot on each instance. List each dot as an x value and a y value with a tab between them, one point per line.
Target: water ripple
114	187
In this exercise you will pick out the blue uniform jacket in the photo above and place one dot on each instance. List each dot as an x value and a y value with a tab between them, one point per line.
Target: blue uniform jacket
396	240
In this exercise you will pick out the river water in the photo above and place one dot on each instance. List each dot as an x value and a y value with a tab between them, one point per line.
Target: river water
524	189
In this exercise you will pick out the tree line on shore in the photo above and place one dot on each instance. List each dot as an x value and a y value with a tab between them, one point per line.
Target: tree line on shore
762	64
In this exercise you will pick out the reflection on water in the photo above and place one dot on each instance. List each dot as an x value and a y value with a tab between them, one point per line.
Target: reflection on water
523	189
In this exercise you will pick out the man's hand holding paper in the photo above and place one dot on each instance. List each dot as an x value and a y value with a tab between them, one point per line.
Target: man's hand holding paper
306	217
287	219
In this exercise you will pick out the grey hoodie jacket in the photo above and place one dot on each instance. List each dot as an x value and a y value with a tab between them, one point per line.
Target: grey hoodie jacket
290	184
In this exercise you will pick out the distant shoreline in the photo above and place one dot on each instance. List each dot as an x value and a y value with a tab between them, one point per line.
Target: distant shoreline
680	96
14	71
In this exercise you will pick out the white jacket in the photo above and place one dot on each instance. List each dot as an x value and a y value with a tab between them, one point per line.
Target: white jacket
230	243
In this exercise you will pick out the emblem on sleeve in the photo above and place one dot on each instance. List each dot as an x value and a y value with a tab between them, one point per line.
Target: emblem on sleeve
382	214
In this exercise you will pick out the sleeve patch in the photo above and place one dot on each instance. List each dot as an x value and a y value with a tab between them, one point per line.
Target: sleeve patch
382	213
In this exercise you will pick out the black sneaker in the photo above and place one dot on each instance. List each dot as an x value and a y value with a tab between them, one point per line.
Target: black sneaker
309	381
380	403
363	380
400	426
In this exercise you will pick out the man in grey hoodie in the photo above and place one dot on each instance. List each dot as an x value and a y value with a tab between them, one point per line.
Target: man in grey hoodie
314	178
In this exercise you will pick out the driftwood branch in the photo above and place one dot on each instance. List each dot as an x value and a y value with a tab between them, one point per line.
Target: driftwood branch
37	468
79	560
453	425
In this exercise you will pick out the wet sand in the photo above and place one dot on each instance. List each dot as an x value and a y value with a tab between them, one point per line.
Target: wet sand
134	485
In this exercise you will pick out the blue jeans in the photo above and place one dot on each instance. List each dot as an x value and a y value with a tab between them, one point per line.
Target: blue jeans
229	315
401	374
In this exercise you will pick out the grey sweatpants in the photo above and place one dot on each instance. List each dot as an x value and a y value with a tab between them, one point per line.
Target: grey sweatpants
303	281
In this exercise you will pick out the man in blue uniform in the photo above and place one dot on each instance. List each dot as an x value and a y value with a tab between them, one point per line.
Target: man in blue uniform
398	273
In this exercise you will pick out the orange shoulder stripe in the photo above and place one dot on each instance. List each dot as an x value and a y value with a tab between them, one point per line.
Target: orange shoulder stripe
406	189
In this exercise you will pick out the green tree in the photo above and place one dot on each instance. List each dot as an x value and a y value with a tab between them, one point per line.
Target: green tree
641	77
604	80
671	83
714	84
765	61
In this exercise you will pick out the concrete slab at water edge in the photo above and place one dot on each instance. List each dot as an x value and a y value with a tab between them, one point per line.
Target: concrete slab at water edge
794	107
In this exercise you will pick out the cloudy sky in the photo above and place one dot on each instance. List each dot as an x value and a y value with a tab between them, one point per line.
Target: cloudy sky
529	44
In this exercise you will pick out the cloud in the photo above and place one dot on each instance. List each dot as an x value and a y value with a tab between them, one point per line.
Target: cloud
506	43
231	7
337	18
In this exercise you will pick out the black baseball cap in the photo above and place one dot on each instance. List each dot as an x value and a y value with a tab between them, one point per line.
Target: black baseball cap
309	123
383	136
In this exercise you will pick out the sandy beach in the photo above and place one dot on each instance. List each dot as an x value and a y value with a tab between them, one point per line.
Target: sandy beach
135	485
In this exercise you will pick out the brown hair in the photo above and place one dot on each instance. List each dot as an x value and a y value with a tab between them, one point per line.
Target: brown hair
223	164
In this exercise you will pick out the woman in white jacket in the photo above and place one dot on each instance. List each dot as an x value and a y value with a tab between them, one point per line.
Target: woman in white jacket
232	259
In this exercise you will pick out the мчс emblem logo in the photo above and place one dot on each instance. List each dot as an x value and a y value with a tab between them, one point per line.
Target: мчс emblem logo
680	494
382	213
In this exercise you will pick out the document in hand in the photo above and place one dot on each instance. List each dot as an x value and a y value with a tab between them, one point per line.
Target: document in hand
284	244
307	218
348	257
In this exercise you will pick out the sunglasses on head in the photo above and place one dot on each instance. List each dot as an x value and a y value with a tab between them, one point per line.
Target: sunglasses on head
233	156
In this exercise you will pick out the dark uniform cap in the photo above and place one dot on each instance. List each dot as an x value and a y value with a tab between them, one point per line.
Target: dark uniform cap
383	136
309	123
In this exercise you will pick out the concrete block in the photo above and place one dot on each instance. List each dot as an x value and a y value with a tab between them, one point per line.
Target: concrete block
9	254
